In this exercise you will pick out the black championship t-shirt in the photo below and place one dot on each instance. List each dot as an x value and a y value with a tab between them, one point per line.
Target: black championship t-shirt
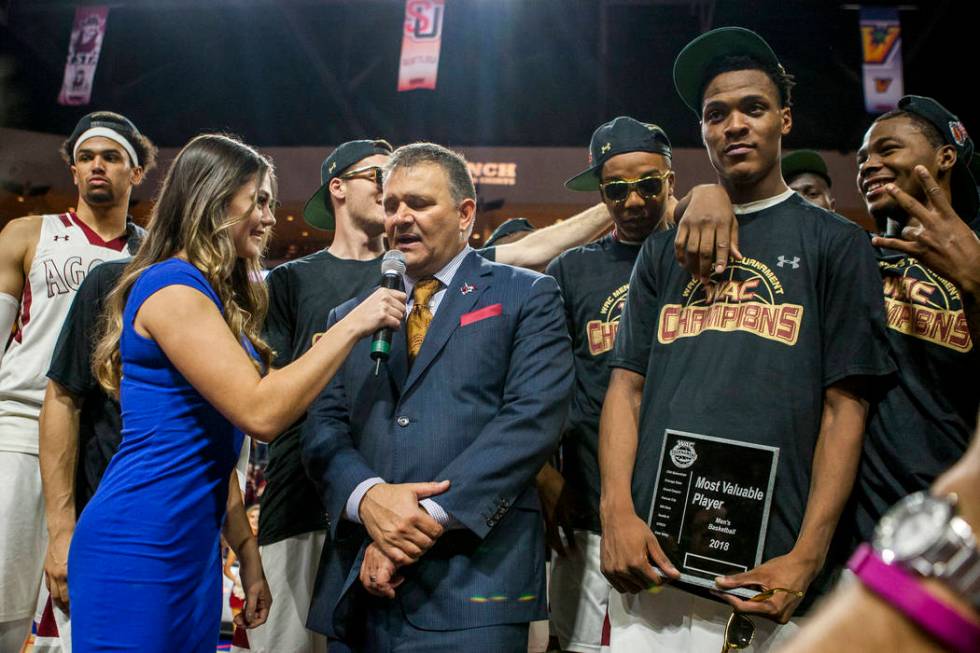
99	423
923	422
594	280
301	295
750	358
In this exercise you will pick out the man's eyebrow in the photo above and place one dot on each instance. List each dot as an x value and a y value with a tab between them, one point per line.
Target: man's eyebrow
755	97
642	175
877	143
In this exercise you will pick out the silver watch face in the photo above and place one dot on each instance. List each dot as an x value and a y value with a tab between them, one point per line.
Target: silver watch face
912	527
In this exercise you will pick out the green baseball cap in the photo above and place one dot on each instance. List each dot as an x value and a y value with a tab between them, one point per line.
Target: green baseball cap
318	211
693	62
802	161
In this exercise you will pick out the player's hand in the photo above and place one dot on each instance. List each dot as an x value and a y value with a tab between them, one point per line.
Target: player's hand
707	233
395	521
258	596
383	309
56	568
557	507
781	581
632	560
379	574
941	240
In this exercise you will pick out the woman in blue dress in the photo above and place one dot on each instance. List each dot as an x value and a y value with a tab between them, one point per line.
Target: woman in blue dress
182	349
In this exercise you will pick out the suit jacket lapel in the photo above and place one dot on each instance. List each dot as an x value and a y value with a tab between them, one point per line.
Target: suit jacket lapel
473	271
398	360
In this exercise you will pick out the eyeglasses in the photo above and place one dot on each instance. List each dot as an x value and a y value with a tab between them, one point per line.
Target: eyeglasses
739	630
765	595
375	171
618	190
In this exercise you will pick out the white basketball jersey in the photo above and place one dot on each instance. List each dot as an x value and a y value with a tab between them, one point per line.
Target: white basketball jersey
66	250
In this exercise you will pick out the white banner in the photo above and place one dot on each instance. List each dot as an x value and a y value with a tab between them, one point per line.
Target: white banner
881	44
87	33
421	40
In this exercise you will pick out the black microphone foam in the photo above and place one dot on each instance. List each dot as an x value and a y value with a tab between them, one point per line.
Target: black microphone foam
392	269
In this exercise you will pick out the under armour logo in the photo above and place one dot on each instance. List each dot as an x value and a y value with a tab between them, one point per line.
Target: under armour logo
605	148
56	238
795	261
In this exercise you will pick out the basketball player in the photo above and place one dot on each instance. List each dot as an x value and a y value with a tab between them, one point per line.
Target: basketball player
43	259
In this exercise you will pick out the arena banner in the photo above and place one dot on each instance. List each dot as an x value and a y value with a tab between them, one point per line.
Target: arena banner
421	40
881	45
87	33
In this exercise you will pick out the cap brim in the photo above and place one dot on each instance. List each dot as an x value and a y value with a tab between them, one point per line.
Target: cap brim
316	213
584	181
966	198
804	161
697	56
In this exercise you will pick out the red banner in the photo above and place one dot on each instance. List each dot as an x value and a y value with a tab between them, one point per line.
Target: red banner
420	44
87	33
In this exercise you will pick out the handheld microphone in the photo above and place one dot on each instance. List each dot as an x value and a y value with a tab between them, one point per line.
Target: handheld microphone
392	269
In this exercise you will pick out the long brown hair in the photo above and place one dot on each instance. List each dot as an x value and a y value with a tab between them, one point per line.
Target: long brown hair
191	215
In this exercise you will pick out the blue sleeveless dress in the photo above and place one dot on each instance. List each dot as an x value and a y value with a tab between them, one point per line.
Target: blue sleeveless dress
144	568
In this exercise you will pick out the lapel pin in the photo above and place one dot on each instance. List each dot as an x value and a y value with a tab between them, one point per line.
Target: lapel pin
466	289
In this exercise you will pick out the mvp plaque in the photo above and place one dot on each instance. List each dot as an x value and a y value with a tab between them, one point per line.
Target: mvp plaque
711	505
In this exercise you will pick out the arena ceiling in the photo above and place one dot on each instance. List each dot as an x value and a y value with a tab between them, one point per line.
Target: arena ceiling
512	72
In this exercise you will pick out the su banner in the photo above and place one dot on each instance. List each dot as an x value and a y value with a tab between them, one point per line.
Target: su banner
881	45
421	39
87	33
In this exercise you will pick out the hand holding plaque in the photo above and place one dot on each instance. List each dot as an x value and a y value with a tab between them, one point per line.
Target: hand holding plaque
785	577
711	506
631	558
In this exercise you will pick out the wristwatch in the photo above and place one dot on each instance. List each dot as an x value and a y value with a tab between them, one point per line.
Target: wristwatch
923	533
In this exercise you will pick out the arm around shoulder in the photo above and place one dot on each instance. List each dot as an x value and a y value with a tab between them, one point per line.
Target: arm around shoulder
535	250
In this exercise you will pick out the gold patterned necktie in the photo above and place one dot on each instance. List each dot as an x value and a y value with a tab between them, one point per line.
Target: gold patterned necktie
421	316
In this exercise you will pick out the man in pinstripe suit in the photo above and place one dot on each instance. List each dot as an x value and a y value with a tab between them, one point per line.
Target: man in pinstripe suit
473	397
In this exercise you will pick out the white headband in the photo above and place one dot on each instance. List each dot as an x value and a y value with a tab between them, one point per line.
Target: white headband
112	135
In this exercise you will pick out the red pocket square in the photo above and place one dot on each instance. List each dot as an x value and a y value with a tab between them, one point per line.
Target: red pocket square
490	311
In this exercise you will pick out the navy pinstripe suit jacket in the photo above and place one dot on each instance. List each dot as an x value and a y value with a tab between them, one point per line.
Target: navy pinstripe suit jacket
482	406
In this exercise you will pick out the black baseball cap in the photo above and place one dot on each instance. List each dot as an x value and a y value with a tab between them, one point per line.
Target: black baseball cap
692	64
802	161
508	227
618	136
963	186
318	211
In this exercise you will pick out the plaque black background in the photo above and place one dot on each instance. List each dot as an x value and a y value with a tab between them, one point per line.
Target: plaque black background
716	461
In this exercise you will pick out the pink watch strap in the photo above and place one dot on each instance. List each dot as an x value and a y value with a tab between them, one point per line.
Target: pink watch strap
902	590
